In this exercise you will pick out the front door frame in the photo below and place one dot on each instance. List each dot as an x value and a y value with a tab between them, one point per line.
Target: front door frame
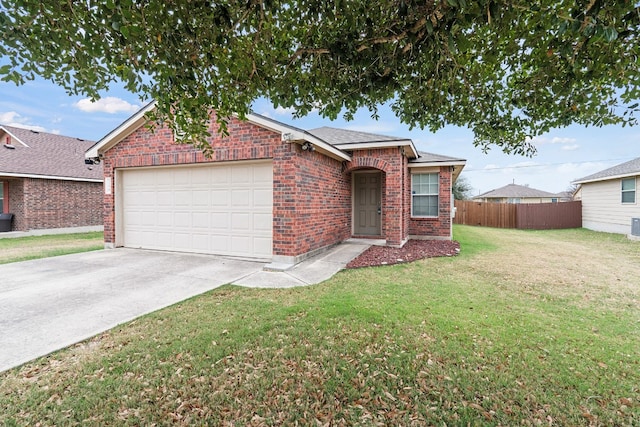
353	201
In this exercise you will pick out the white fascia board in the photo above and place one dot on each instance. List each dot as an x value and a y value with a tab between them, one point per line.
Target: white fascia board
13	136
129	126
58	178
381	144
607	178
438	164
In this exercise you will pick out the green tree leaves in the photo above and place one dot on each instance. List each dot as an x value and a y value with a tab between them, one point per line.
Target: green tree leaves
509	70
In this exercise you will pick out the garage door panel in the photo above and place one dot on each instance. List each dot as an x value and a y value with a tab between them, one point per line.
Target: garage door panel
262	244
219	176
200	219
220	221
201	198
220	209
262	198
242	175
240	198
263	223
220	198
240	222
164	219
182	198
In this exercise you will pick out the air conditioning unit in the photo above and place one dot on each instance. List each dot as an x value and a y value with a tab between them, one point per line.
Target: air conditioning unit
635	227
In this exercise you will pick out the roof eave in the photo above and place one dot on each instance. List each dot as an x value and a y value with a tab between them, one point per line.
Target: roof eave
437	163
413	153
138	119
452	163
292	134
607	178
121	132
53	177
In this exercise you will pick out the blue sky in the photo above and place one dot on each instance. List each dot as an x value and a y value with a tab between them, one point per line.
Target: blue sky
563	154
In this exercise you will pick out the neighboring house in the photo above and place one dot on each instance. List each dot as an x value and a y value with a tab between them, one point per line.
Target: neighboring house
45	183
270	191
514	193
609	198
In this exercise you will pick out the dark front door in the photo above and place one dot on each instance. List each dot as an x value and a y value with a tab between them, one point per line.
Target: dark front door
366	203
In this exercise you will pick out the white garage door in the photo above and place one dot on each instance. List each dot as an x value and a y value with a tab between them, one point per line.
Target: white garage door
223	209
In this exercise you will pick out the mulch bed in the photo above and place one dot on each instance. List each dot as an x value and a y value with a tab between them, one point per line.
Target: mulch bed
412	250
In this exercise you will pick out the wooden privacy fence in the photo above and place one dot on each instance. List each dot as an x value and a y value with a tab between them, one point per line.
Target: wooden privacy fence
543	216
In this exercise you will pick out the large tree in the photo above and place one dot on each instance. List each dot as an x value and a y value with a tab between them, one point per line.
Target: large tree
509	70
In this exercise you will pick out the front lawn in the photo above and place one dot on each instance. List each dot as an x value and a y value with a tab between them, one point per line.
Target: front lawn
33	247
522	328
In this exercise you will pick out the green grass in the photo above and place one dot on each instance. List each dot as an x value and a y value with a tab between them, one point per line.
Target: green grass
34	247
485	338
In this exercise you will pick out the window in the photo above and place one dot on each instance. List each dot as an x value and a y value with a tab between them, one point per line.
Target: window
1	197
629	190
424	194
515	200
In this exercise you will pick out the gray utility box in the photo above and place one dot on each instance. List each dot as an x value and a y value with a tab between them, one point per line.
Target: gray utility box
635	226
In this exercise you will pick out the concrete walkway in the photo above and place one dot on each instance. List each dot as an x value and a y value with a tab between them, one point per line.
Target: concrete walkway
51	303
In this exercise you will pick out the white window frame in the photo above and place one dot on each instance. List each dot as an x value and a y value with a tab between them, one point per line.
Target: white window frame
624	191
437	194
514	200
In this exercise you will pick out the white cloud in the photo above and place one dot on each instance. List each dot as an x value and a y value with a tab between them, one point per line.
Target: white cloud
12	118
109	104
571	147
557	140
282	111
541	140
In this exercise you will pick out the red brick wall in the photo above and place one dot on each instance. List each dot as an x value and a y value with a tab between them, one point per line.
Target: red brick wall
440	226
312	201
311	195
16	204
47	203
392	162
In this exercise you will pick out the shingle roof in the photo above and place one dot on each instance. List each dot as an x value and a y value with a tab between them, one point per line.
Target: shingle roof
515	190
343	136
45	154
434	158
631	167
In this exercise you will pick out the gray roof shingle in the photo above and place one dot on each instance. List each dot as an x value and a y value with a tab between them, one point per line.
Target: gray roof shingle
46	154
434	158
514	191
335	136
632	167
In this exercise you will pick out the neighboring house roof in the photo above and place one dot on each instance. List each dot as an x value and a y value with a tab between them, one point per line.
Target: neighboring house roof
515	191
630	168
33	154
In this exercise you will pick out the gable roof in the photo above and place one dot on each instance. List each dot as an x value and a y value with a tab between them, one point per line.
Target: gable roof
345	139
32	154
330	141
514	191
288	133
630	168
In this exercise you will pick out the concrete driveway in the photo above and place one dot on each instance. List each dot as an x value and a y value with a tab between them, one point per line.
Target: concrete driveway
51	303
